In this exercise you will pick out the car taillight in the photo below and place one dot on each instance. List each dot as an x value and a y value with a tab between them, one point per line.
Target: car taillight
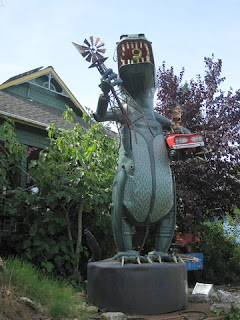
197	139
181	140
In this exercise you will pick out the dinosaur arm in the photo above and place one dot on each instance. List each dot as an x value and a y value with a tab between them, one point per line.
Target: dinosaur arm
185	130
165	122
103	115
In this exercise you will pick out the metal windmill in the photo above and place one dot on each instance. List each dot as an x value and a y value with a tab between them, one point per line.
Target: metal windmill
92	52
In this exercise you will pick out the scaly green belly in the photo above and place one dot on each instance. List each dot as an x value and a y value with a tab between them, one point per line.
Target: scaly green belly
148	193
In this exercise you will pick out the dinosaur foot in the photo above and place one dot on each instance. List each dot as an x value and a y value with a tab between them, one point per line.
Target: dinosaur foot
132	256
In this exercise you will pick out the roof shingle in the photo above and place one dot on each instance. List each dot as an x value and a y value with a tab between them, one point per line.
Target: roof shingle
34	113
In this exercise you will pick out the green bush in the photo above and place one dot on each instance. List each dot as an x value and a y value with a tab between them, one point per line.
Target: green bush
221	255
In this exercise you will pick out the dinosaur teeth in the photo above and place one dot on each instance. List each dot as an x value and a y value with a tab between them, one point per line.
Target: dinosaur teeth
146	47
127	52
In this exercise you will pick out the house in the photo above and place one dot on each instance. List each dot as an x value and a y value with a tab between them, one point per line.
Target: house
33	99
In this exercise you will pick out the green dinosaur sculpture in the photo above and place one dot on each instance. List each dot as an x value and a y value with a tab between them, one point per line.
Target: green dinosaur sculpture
143	189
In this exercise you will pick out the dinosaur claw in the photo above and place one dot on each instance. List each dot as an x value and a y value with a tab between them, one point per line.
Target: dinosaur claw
159	259
122	261
175	259
138	260
149	260
180	259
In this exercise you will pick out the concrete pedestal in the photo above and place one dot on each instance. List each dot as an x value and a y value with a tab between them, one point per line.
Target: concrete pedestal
137	289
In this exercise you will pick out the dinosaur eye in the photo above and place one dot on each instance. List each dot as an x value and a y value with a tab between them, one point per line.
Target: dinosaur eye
131	167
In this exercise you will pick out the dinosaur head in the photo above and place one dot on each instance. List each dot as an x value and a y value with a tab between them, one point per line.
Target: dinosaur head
136	64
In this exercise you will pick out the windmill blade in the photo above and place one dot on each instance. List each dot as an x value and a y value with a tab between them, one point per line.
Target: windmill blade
94	58
101	50
87	43
96	41
99	56
84	54
100	45
89	57
91	40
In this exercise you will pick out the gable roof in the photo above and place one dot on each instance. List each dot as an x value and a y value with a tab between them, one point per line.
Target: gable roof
29	76
39	115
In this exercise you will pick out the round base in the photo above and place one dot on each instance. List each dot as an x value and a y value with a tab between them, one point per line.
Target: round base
137	289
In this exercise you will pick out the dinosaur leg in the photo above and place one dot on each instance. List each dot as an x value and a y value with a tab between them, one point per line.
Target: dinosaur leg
165	231
167	226
121	228
164	238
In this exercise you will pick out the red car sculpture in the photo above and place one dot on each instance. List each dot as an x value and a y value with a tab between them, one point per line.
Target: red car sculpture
183	142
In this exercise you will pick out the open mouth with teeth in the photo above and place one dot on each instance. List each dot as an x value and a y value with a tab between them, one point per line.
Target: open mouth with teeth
134	51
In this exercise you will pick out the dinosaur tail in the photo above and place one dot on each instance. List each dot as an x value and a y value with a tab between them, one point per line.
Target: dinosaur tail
94	246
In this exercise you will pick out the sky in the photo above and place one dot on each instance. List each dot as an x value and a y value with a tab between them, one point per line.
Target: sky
37	33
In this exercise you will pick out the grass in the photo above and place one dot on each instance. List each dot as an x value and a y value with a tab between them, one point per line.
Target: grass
57	299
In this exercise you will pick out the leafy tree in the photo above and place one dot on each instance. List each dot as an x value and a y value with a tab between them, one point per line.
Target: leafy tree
11	155
219	246
212	188
73	177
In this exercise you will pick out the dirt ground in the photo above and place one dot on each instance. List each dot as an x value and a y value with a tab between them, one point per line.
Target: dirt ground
195	311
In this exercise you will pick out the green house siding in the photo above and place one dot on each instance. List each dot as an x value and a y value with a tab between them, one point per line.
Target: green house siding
30	136
21	90
44	96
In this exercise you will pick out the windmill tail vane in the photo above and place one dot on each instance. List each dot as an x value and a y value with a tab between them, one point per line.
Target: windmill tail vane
93	51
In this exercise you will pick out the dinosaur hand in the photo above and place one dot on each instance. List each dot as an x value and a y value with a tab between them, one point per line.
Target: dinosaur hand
109	80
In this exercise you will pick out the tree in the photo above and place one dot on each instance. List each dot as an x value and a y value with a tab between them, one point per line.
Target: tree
207	189
73	176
